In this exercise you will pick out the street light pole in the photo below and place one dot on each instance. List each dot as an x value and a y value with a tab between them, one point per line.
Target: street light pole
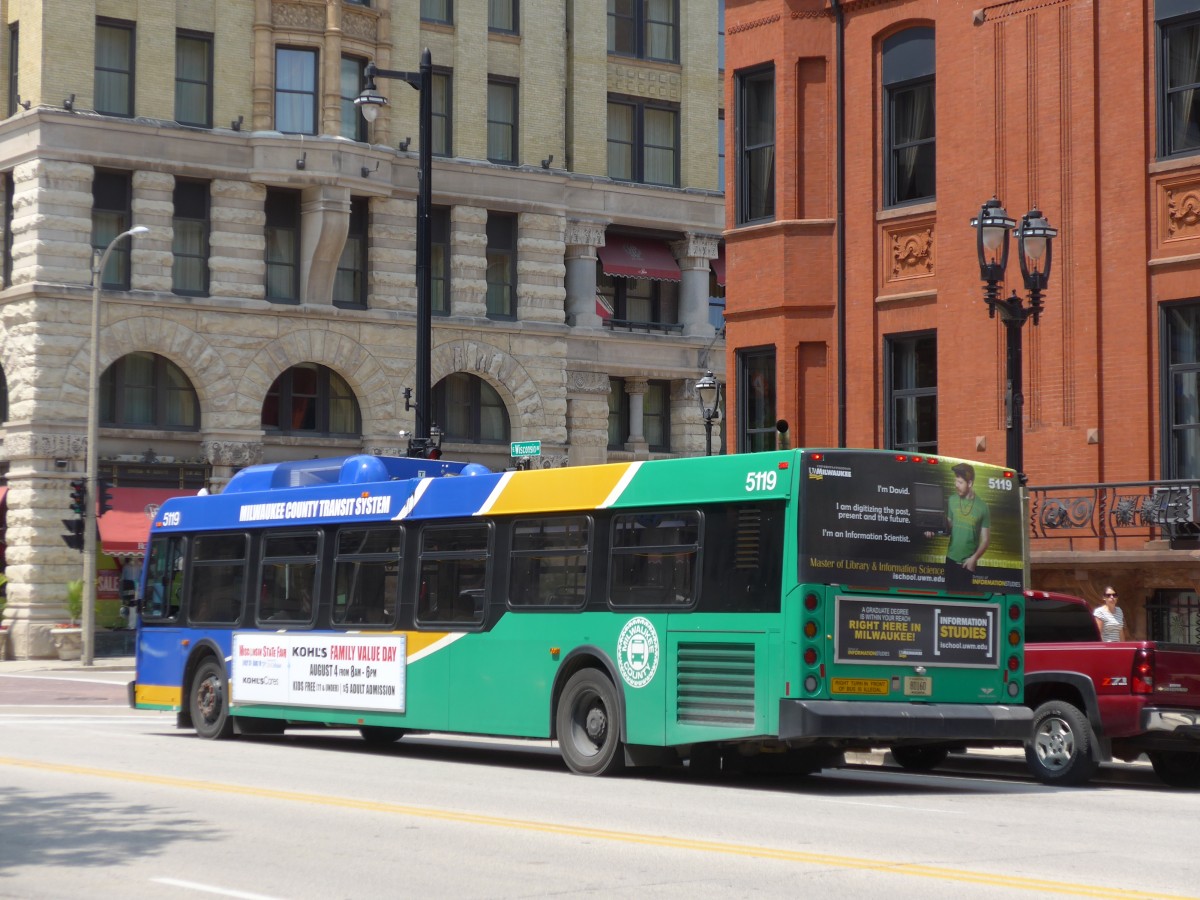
88	625
422	442
1034	236
708	392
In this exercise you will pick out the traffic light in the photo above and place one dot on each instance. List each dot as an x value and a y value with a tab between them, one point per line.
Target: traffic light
79	496
74	535
103	496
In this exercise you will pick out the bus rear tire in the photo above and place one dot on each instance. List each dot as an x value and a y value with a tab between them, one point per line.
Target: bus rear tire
919	759
208	702
588	725
380	735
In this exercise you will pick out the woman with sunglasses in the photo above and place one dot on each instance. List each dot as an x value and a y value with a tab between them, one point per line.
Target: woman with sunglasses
1111	618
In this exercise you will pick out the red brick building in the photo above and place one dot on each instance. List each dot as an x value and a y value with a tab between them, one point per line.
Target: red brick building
877	334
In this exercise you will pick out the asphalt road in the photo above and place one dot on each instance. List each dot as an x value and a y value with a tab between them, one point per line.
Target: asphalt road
101	801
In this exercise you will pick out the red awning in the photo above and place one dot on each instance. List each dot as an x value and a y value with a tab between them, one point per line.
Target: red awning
603	309
718	265
638	257
125	527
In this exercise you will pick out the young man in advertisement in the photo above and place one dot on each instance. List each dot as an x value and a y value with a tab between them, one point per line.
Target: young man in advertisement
969	523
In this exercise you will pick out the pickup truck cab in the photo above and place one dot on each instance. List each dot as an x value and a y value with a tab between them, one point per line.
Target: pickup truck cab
1094	701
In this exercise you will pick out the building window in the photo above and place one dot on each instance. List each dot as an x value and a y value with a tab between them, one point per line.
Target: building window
639	301
193	79
501	266
14	67
469	411
720	35
441	114
756	400
354	123
114	68
145	390
503	15
911	388
295	90
111	215
311	399
643	142
191	225
656	415
440	11
350	285
1181	380
755	145
439	260
502	121
909	116
618	414
1173	616
283	245
3	397
8	227
646	29
1179	86
721	152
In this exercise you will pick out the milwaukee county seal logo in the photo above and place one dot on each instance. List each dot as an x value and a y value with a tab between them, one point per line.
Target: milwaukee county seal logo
637	652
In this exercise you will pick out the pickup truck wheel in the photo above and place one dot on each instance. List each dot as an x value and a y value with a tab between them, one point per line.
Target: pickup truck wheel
919	759
1059	751
1178	768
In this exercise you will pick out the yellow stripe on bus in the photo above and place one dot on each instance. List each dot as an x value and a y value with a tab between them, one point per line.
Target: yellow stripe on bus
554	490
158	695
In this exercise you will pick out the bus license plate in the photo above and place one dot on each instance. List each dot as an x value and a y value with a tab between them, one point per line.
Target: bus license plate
920	686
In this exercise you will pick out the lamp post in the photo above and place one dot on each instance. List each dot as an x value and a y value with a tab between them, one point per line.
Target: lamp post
369	101
708	391
1034	248
88	625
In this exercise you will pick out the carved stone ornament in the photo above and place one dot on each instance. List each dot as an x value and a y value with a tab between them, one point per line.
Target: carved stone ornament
1182	210
359	27
233	453
587	383
294	17
23	445
911	253
588	234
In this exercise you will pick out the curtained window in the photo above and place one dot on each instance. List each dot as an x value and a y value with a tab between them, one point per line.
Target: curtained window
643	142
502	121
468	410
911	388
311	399
112	214
191	225
1179	79
503	16
145	390
755	145
193	79
1181	340
909	117
350	284
114	67
645	29
354	123
501	266
295	90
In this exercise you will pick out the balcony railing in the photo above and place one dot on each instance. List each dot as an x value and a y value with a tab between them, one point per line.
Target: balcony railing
1116	515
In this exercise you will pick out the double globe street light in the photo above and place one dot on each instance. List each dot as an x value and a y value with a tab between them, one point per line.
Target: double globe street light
1035	251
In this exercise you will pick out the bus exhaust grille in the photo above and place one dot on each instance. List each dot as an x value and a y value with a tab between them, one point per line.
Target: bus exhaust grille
716	685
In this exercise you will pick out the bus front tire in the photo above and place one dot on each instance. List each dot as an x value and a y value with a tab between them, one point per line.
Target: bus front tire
1060	749
209	701
588	725
380	735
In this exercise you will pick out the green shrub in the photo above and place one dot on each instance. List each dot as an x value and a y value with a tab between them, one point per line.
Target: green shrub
75	600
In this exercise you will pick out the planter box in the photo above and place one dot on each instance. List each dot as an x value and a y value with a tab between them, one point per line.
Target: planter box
68	641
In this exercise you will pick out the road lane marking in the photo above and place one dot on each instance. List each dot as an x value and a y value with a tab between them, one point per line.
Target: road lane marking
211	889
895	867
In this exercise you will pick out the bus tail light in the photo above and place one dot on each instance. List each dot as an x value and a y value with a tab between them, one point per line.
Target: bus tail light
811	601
1014	611
1014	638
810	629
1013	664
1142	681
811	684
1013	689
810	657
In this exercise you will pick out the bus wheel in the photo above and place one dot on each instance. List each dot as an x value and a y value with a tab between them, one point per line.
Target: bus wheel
1060	749
208	704
380	735
919	759
589	732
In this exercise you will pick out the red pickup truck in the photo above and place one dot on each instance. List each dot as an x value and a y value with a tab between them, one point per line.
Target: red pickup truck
1094	701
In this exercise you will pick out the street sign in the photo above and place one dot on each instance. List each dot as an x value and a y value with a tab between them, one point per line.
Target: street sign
521	449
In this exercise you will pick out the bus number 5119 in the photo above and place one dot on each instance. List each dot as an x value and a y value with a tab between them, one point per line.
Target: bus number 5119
760	481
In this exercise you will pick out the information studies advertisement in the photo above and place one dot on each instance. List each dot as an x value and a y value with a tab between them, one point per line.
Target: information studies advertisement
882	521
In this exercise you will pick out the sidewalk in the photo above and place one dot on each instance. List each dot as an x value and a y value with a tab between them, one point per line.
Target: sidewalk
105	664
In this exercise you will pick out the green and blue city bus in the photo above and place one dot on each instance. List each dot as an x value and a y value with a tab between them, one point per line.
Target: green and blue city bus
777	607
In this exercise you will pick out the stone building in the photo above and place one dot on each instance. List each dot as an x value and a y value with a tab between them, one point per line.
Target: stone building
269	312
870	133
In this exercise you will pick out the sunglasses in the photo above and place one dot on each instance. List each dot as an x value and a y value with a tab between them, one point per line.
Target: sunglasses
1110	596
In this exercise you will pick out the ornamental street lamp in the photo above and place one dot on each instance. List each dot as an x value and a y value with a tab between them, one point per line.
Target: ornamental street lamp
88	625
708	391
369	101
1034	248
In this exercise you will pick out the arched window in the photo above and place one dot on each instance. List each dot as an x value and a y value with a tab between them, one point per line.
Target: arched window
468	409
145	390
311	399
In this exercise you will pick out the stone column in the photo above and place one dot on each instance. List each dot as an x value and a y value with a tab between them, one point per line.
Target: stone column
52	223
693	254
582	240
151	258
237	242
540	268
325	222
468	261
636	389
587	418
392	255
